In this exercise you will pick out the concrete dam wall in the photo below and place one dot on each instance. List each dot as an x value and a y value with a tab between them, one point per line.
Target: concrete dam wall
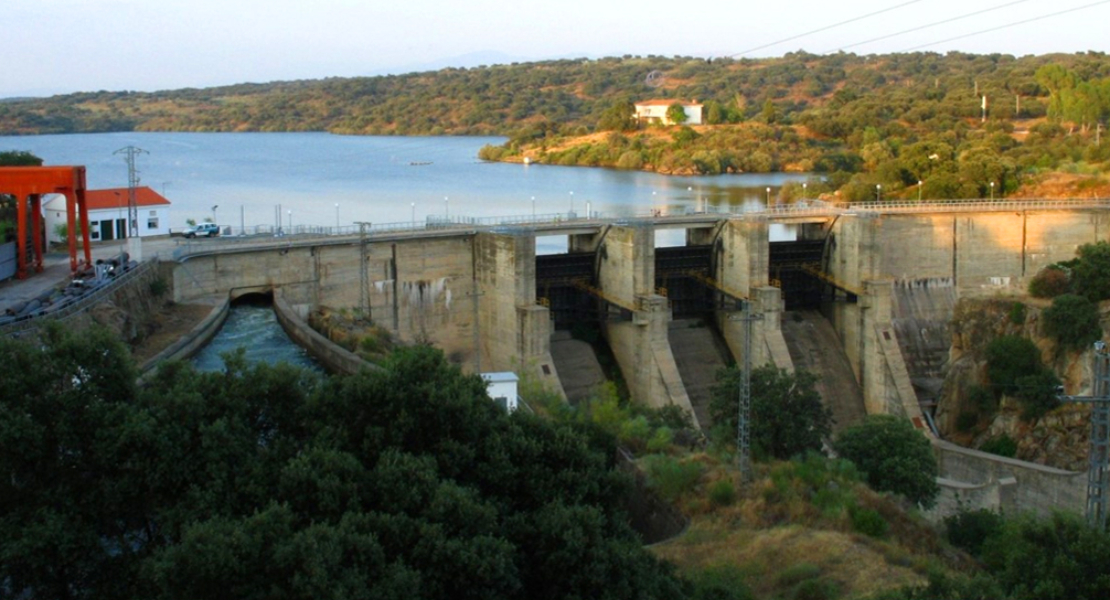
473	292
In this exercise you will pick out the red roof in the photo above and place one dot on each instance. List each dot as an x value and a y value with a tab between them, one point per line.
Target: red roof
102	199
664	102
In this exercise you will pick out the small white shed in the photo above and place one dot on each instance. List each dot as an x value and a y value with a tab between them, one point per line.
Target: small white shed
502	389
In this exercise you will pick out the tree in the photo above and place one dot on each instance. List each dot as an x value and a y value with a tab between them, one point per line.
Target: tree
269	481
1050	282
1010	357
19	158
893	455
1091	271
1051	558
676	113
1073	321
620	116
787	416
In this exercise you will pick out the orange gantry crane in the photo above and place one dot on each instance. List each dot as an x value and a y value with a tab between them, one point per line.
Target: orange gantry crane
29	185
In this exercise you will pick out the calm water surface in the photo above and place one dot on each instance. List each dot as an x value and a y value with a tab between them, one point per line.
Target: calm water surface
323	179
328	180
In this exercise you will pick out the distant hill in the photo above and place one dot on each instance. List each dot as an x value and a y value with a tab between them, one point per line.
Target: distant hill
566	93
892	120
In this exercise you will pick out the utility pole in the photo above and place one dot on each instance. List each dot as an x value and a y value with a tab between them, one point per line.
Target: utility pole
743	421
1099	456
130	153
363	267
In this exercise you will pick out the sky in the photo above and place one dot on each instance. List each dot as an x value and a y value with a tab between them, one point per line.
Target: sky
63	46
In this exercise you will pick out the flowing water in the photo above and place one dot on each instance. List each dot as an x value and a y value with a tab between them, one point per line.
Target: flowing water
253	327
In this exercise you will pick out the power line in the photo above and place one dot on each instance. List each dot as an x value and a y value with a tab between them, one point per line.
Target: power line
934	24
828	27
1014	24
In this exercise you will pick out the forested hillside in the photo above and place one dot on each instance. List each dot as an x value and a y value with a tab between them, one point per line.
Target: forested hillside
892	120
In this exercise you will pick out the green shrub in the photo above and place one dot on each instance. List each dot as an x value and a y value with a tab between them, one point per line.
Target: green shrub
894	457
1002	445
966	421
1037	394
797	573
671	477
1008	358
634	433
1073	321
970	528
722	492
158	287
868	522
1017	313
815	589
660	440
1050	282
1091	271
982	399
720	582
630	159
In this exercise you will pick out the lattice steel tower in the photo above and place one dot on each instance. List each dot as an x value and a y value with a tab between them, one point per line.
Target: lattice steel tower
130	153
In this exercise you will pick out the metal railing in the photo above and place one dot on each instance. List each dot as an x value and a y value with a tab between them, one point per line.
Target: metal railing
262	236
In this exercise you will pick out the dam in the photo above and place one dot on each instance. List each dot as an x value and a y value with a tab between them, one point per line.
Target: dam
883	275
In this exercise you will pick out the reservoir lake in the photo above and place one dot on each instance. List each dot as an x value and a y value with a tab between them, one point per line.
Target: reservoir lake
325	180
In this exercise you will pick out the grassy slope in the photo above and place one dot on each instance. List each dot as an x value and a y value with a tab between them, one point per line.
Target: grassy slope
793	524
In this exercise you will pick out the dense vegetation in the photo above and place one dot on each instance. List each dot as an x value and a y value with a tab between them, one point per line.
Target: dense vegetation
893	456
1023	557
788	418
271	482
892	120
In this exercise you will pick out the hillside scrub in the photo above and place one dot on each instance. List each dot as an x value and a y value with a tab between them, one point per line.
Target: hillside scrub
910	122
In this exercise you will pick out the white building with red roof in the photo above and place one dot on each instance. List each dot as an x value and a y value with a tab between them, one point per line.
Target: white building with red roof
108	212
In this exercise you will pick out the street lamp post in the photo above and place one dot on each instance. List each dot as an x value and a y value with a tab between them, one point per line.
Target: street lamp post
571	204
992	191
446	209
214	219
768	197
919	182
337	218
805	195
290	221
587	209
533	208
878	192
413	204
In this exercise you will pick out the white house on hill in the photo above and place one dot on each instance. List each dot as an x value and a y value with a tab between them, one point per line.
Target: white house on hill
655	111
108	214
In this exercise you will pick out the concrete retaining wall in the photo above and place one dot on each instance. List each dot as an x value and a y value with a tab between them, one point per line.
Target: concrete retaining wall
334	358
193	341
974	479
